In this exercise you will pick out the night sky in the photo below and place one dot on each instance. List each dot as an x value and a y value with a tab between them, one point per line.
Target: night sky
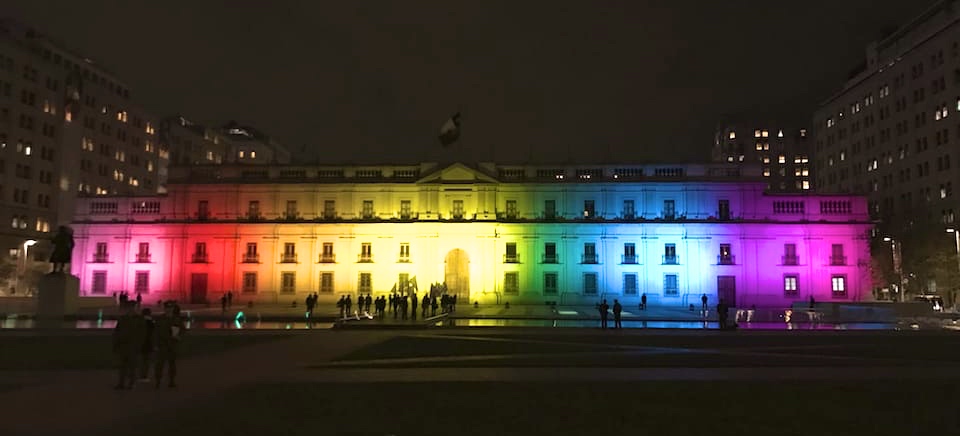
372	81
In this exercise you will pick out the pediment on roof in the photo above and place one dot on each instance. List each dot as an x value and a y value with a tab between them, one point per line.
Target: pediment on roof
457	173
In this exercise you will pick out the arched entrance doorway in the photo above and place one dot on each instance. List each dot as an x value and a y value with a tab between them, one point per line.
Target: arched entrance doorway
457	274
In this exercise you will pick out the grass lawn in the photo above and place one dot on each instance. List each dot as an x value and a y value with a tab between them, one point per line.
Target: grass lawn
498	408
72	352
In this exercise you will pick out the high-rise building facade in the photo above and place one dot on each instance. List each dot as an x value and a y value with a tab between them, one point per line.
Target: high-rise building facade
892	132
782	153
252	146
192	143
518	234
68	128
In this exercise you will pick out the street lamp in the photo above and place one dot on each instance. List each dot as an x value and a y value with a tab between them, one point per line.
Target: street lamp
897	265
23	266
956	236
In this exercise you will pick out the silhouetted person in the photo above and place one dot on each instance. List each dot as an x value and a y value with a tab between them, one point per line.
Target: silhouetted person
604	307
393	303
169	328
617	308
139	300
403	307
366	303
433	306
342	305
703	304
812	302
425	304
146	349
223	303
127	345
722	313
413	306
348	305
643	301
230	299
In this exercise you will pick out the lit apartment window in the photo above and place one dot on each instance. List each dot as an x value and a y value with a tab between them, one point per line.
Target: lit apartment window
790	285
782	159
766	159
838	284
28	150
765	134
766	172
733	135
780	134
253	154
756	133
242	154
759	146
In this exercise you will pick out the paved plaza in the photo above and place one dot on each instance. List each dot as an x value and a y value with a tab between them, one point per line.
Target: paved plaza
494	381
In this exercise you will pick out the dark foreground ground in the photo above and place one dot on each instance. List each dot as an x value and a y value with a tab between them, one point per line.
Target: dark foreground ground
492	382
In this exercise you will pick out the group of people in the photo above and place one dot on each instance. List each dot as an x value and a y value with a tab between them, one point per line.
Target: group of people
604	309
139	339
124	298
226	301
401	306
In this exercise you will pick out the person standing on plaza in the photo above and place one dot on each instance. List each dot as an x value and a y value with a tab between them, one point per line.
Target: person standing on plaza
643	301
722	313
617	309
604	307
367	302
348	305
413	305
703	304
425	304
433	306
146	349
403	307
229	298
127	344
341	305
223	303
169	329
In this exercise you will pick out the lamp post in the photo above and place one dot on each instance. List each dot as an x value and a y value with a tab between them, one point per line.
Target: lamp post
956	237
23	266
897	265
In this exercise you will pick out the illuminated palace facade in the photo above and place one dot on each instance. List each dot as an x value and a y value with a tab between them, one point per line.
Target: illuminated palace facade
492	233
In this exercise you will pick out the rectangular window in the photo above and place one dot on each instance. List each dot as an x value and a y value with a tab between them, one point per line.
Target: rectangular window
101	255
203	210
510	256
253	209
550	283
670	254
790	255
289	252
365	283
366	252
367	211
99	282
589	283
199	252
512	210
669	209
723	209
836	255
291	212
671	285
249	283
511	283
629	253
143	252
589	209
329	209
630	284
550	209
404	252
550	252
726	255
589	252
457	212
327	256
405	210
839	286
790	285
288	282
629	211
326	282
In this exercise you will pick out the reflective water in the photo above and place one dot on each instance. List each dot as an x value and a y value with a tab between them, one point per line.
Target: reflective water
663	324
19	323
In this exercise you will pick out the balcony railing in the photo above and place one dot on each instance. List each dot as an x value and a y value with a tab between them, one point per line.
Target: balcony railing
629	259
838	260
550	258
291	216
726	260
367	215
629	216
365	258
790	260
198	258
671	259
511	258
203	216
404	259
329	215
289	258
328	258
251	258
143	257
254	216
589	258
549	215
101	258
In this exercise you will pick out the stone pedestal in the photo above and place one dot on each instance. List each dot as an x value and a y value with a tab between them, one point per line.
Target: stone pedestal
59	295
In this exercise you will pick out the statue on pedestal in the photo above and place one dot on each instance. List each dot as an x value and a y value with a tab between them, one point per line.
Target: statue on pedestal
62	249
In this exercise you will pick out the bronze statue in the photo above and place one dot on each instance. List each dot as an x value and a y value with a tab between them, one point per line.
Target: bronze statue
62	249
